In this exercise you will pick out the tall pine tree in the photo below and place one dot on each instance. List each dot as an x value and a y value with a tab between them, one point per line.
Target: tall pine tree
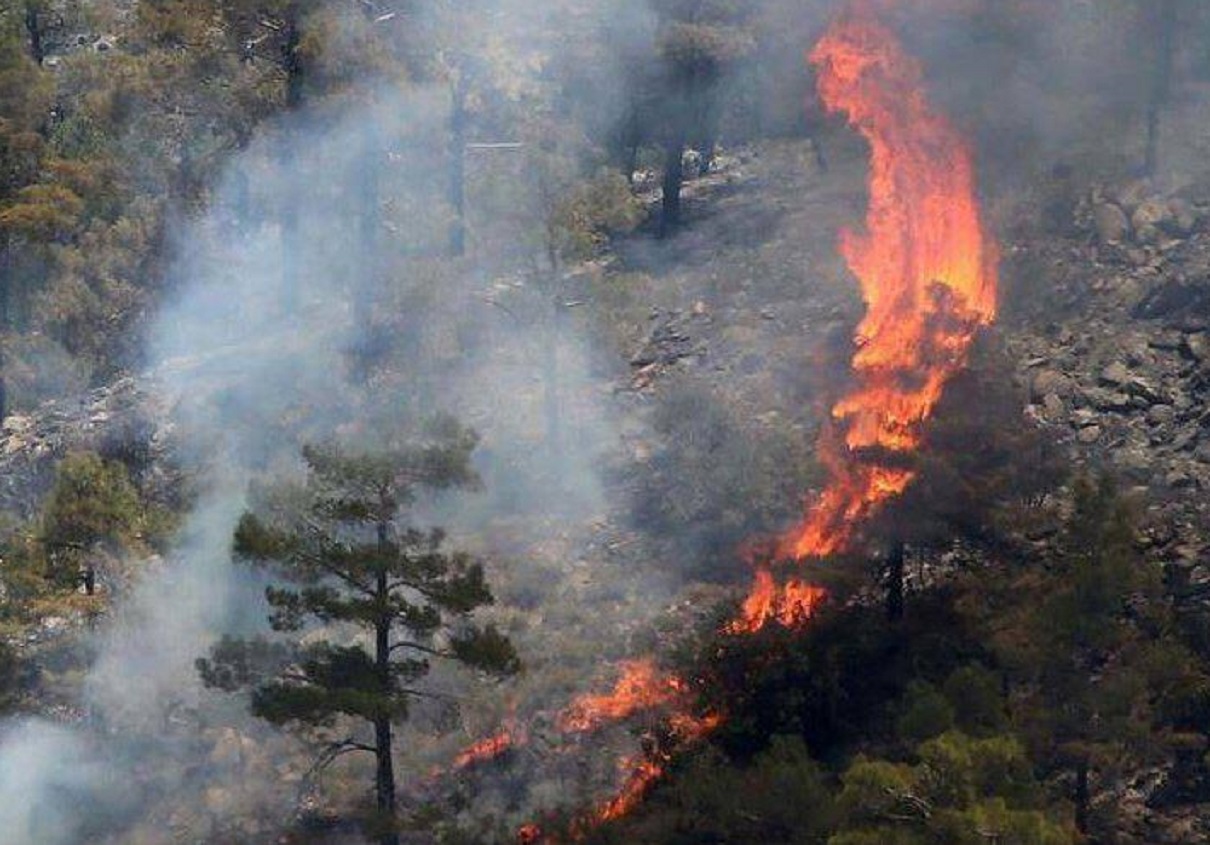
342	554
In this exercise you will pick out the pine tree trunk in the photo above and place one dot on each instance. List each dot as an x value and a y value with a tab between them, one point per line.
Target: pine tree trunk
5	281
1082	798
550	380
33	27
895	570
631	140
674	177
1165	46
457	176
384	781
365	286
290	243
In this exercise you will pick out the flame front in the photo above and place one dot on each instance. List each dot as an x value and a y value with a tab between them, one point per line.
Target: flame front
641	687
927	273
926	268
791	604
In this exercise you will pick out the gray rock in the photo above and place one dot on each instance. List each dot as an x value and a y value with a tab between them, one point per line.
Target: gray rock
1054	408
1115	375
1145	390
1183	219
1111	224
1178	479
1184	440
1053	381
1107	400
1161	414
1084	417
1196	347
1089	435
1153	215
1134	194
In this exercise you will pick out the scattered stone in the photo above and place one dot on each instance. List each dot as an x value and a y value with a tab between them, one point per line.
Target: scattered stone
1084	417
1115	375
1107	400
1149	220
1112	225
1161	414
1053	381
1196	347
1089	435
1144	390
1054	408
1178	479
1183	216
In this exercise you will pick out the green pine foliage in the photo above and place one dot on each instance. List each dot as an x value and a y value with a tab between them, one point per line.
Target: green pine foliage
343	558
93	511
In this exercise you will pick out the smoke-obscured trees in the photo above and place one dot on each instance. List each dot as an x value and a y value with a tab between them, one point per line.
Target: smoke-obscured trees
342	556
93	511
698	40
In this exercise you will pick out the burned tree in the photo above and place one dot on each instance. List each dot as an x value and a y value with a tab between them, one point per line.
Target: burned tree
342	555
698	42
1162	18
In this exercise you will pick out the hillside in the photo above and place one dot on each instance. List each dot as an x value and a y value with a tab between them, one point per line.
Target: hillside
585	421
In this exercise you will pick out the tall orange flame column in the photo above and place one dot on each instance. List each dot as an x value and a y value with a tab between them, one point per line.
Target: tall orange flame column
927	272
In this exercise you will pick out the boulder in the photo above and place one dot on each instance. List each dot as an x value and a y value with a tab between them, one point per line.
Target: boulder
1116	375
1134	194
1151	218
1107	400
1161	414
1053	408
1196	347
1046	382
1183	217
1089	435
1111	224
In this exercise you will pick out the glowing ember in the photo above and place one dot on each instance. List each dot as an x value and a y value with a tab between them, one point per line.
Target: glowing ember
926	269
529	834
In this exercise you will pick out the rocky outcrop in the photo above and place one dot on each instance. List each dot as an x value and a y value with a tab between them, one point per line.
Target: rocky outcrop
1116	357
123	421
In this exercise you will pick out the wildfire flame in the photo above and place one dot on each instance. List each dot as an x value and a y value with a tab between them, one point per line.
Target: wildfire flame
927	273
926	268
488	748
792	604
641	687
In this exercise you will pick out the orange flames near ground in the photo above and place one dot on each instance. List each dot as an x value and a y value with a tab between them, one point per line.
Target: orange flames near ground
927	274
648	768
489	748
791	604
641	687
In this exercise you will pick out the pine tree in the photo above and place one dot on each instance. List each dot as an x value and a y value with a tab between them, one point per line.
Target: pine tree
697	43
92	507
341	554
